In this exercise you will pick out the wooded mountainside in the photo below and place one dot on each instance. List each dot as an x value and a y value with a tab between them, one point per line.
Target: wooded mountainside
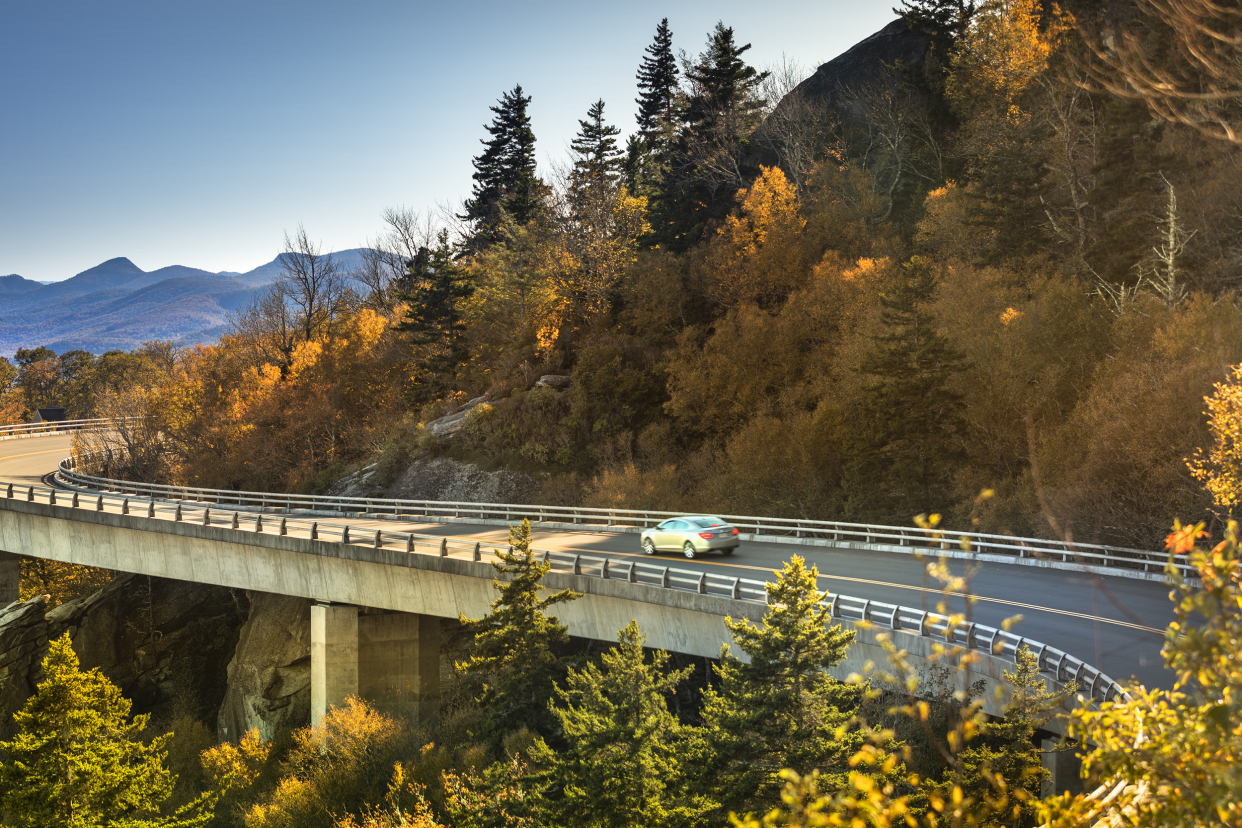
953	260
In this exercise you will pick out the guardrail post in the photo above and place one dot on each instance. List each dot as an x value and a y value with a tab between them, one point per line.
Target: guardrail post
379	543
577	564
345	535
604	571
284	527
992	643
443	547
703	584
923	623
970	635
151	509
866	610
736	591
664	579
258	523
409	543
30	494
74	502
234	523
177	516
314	530
51	498
895	622
478	552
206	517
9	494
125	506
834	607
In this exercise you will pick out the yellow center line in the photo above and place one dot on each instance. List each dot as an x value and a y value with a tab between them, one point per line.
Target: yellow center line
1086	616
29	454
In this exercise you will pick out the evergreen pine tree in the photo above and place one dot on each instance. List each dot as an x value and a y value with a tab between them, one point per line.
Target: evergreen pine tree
434	289
911	418
1001	764
782	709
596	156
710	159
657	86
624	764
504	174
943	22
78	759
513	644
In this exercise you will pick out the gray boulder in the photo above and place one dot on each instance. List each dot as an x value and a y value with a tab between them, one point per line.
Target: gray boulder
269	676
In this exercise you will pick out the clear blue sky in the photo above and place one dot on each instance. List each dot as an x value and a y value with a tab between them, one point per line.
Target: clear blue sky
196	133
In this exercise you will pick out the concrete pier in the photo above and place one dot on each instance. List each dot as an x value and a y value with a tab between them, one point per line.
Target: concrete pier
10	578
389	659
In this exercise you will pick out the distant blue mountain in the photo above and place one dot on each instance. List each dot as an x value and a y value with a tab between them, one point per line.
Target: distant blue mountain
118	305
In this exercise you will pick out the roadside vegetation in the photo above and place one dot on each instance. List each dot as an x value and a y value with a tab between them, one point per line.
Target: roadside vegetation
1012	266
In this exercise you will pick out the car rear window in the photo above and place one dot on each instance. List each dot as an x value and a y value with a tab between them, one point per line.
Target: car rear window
704	523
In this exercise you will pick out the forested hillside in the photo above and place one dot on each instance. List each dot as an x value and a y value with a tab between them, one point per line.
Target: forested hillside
953	260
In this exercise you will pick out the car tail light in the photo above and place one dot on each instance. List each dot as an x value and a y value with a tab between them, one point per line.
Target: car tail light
705	535
735	531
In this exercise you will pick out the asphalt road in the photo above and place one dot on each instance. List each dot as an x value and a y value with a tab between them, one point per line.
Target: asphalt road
1116	624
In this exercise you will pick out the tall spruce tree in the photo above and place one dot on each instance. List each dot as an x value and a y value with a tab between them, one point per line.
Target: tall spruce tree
625	763
513	644
504	174
596	155
79	760
657	86
911	417
710	159
782	709
943	22
434	290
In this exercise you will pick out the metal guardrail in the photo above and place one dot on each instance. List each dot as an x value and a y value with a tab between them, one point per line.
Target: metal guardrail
26	429
1054	663
829	532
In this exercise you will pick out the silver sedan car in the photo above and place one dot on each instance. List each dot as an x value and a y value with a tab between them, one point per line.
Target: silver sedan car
692	535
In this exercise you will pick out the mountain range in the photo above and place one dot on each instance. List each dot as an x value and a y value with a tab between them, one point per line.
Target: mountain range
119	305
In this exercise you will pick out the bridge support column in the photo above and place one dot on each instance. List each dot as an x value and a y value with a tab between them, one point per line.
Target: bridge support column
1064	767
334	657
10	578
390	659
399	664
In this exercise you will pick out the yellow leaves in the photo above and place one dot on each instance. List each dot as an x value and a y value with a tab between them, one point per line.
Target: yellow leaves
771	203
1010	316
1006	48
1220	470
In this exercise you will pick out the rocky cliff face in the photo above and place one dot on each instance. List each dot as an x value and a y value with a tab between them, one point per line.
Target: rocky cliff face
442	478
165	643
269	675
863	63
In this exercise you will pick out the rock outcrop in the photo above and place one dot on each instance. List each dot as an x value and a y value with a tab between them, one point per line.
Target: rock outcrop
862	63
165	643
444	427
443	478
269	675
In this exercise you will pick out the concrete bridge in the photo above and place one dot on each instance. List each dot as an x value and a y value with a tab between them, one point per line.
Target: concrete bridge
378	582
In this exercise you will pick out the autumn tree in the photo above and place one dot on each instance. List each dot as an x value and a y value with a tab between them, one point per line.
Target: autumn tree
79	759
1182	58
513	653
780	709
1220	468
312	283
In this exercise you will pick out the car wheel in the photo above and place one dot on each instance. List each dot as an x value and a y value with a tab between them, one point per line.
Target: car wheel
648	548
688	549
730	550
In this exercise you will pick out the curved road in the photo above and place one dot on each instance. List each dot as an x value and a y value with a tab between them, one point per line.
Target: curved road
1115	624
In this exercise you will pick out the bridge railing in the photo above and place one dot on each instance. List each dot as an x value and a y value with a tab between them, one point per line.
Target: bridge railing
1056	664
26	429
829	533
